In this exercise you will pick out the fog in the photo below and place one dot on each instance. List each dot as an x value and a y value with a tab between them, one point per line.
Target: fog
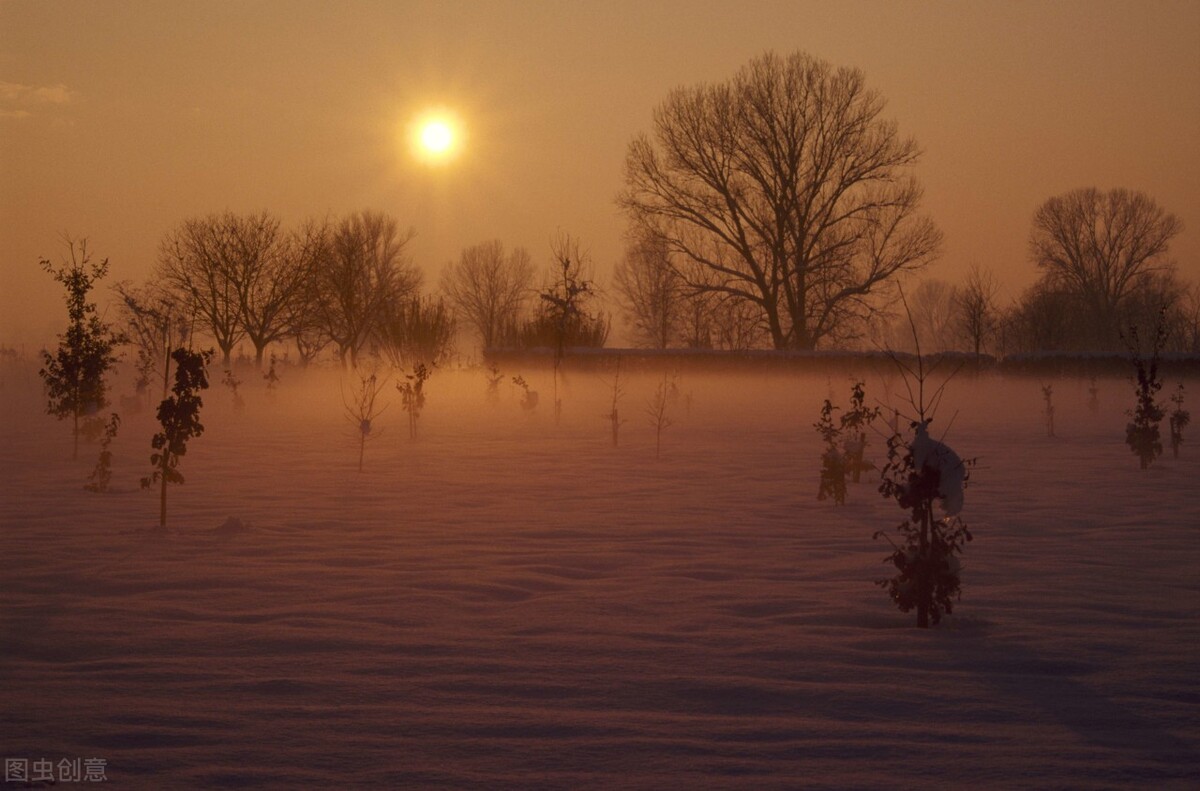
510	600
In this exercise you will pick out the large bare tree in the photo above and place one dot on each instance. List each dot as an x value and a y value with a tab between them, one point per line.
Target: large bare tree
270	270
1099	246
785	188
365	269
240	275
489	288
197	260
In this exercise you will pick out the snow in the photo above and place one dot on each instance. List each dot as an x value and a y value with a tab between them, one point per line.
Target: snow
937	455
506	603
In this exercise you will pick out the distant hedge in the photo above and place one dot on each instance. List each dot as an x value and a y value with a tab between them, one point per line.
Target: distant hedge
824	362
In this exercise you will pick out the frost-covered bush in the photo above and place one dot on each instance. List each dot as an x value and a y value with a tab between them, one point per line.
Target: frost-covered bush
919	474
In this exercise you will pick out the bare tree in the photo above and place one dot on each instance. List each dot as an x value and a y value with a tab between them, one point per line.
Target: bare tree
1098	244
1044	319
932	306
156	322
416	331
653	295
269	271
488	288
197	260
975	314
312	244
366	270
784	188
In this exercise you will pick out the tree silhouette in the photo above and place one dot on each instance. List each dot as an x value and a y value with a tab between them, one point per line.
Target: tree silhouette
74	375
179	416
784	188
1101	246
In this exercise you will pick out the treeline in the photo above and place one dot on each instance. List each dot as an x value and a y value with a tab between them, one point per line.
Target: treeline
349	286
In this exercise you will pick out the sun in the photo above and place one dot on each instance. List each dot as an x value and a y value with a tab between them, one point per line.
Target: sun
436	136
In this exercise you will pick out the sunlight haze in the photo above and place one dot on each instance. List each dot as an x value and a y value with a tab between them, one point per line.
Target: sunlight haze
119	120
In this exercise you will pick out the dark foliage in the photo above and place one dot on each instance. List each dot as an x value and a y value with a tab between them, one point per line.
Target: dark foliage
1142	432
179	416
926	562
74	375
102	473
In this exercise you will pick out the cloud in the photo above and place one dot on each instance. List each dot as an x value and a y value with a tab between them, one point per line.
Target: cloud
16	100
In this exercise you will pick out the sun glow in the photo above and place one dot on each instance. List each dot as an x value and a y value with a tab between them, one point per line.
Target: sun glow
436	137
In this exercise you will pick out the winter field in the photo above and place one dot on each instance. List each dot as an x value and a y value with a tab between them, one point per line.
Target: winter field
507	603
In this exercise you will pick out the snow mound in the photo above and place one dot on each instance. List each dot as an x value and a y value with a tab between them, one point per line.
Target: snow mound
929	452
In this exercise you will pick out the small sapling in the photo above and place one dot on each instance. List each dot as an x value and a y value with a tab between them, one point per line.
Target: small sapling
920	473
656	409
855	422
1093	396
917	475
74	375
412	395
272	378
494	378
233	383
363	409
102	473
1178	420
833	462
529	398
1048	397
614	415
179	415
1142	432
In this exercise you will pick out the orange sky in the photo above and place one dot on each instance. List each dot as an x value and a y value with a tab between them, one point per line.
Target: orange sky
119	119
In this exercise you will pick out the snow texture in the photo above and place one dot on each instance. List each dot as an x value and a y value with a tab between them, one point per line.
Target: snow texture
506	603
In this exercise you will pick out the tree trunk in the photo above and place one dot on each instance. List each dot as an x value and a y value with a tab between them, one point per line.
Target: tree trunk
924	594
162	502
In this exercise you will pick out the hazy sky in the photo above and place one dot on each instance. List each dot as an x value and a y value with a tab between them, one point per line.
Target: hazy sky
120	119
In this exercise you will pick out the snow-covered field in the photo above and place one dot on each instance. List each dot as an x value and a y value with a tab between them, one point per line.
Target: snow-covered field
506	603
